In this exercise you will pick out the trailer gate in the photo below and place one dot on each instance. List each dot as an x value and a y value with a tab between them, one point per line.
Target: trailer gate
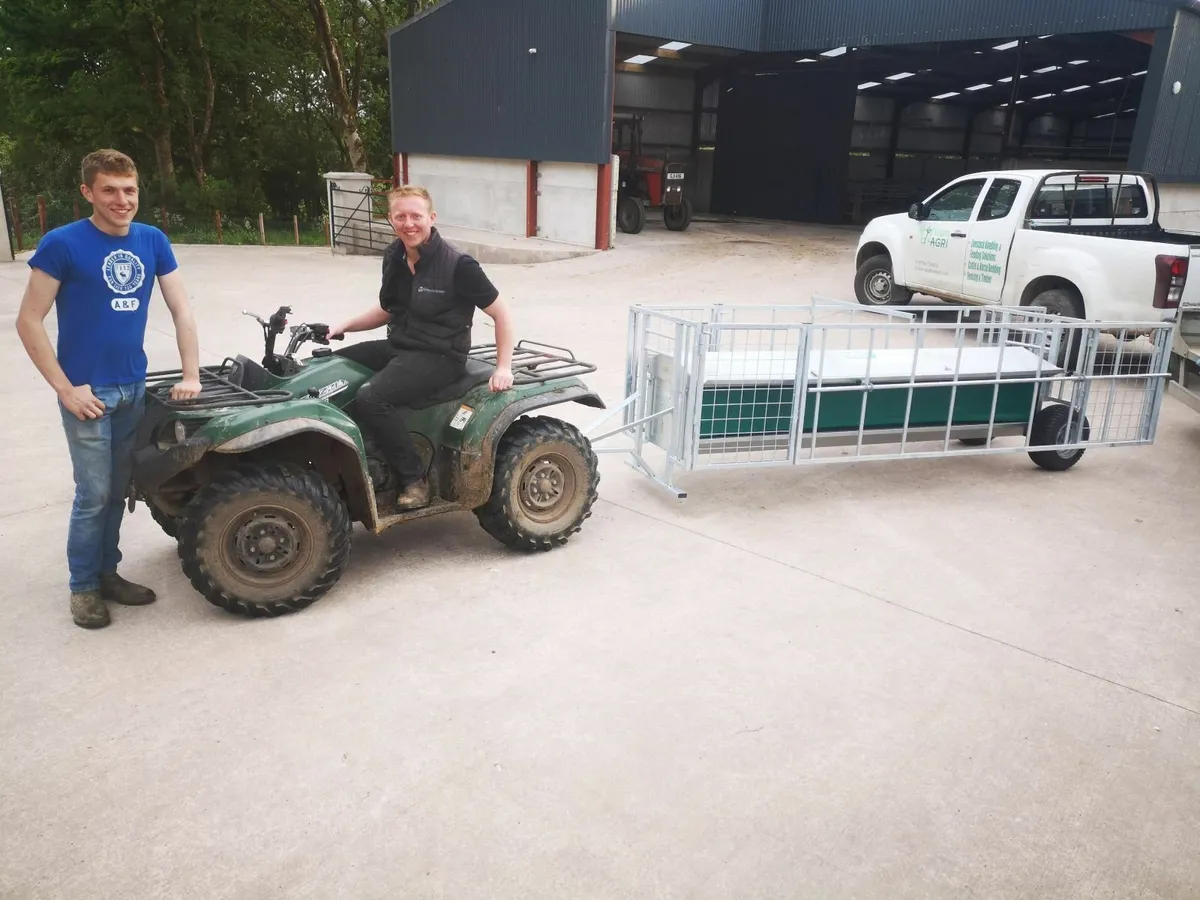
722	387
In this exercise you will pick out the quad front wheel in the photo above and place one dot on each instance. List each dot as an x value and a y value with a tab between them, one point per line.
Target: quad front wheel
544	485
265	539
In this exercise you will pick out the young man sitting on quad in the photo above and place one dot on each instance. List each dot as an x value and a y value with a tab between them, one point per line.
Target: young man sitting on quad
429	295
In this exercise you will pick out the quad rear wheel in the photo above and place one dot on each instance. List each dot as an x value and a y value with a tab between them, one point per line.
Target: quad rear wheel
265	539
544	485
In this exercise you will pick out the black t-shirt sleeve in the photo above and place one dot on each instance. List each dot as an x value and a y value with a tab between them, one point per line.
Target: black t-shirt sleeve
472	285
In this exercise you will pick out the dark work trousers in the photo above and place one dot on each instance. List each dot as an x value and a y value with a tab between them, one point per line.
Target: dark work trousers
404	378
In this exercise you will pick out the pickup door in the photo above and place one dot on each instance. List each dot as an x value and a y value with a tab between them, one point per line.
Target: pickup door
937	243
960	248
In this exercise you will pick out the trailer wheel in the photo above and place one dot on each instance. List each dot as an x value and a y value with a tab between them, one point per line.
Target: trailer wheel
678	218
631	215
1050	426
874	284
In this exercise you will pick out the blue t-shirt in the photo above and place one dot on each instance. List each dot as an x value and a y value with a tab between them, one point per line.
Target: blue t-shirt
106	283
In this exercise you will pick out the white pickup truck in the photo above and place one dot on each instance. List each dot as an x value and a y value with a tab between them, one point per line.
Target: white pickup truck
1083	244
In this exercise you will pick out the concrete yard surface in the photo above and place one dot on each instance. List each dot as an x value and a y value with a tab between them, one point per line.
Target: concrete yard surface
923	679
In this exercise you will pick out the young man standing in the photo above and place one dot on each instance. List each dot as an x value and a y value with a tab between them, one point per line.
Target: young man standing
428	297
100	272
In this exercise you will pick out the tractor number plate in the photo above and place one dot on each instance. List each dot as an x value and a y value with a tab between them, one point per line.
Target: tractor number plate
674	176
461	418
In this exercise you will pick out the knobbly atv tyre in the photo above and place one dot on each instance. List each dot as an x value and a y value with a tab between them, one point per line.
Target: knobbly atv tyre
265	540
168	523
544	486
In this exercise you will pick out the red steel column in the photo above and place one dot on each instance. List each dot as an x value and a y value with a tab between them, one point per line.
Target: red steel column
603	206
531	199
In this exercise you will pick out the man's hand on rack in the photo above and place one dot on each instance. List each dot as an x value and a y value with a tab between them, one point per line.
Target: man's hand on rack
186	389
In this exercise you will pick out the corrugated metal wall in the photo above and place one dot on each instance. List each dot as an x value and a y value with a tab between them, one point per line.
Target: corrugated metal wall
785	25
736	24
767	163
1172	146
814	24
463	82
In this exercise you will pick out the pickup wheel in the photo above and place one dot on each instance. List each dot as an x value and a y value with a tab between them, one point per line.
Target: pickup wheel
1068	304
874	284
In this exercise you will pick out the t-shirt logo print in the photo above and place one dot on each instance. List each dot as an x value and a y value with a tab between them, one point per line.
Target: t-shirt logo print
123	272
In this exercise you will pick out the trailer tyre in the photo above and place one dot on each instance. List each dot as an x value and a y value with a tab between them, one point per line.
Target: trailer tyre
631	215
875	285
1050	426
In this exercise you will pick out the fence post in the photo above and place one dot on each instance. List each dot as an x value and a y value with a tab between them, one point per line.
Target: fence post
217	217
16	215
41	201
296	228
76	205
162	211
262	230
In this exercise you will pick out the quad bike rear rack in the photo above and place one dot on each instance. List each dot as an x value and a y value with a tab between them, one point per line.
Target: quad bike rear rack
536	363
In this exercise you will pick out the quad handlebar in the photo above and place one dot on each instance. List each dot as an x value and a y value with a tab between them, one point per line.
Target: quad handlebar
274	327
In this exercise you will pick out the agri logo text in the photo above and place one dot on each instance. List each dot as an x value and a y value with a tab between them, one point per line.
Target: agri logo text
937	239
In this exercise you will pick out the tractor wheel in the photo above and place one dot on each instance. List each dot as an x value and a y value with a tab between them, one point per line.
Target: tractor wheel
874	284
544	485
1049	428
678	218
265	539
631	215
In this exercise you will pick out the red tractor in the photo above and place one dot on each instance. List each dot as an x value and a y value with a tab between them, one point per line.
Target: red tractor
647	182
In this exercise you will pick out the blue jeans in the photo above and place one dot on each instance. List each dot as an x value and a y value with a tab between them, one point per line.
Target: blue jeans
102	458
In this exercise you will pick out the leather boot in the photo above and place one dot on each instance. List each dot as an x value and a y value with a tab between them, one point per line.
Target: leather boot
88	610
415	496
116	589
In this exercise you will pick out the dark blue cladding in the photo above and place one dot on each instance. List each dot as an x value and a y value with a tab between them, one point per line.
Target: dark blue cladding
736	24
464	83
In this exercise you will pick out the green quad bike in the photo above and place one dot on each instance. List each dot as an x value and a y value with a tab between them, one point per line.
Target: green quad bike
261	477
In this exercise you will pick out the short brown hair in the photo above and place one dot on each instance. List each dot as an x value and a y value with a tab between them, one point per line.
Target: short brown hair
110	162
409	190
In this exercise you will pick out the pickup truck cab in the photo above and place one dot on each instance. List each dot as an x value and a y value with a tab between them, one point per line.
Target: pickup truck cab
1082	244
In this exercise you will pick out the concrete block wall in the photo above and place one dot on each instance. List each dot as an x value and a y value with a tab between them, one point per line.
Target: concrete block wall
492	195
485	194
1180	207
567	203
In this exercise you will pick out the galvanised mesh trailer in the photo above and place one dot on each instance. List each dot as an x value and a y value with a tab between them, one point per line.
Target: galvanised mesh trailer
726	387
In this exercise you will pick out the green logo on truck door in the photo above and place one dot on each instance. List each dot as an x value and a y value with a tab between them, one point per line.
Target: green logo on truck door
936	238
985	263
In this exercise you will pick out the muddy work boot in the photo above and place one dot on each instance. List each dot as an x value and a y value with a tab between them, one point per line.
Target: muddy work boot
116	589
415	496
88	610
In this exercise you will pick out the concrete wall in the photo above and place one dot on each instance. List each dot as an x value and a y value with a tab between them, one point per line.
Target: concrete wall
1180	207
567	204
487	194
